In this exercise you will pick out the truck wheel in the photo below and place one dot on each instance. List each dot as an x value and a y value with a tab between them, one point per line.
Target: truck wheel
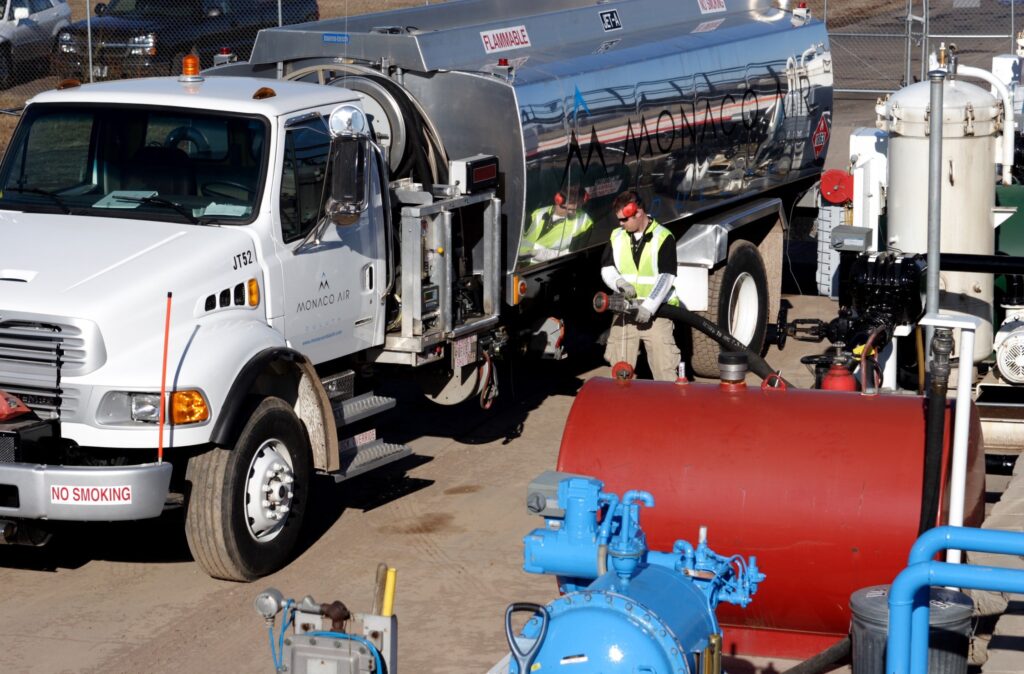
737	302
248	503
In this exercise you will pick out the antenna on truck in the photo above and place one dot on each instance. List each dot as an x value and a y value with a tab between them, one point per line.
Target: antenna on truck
163	384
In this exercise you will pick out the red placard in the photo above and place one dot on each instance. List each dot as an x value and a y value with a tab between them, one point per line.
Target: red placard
819	139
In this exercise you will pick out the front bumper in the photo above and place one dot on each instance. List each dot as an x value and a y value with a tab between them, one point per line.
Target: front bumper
106	68
83	493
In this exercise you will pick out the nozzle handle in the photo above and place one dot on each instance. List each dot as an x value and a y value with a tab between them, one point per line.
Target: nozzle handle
523	659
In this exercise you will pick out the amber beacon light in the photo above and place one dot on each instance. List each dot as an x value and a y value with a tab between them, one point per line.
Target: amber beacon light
190	69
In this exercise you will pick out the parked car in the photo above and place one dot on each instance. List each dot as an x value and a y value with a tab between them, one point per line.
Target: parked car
28	34
137	38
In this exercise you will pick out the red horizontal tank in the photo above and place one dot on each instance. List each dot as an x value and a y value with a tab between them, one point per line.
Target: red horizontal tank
823	487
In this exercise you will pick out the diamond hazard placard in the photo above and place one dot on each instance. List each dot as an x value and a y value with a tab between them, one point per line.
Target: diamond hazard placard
819	139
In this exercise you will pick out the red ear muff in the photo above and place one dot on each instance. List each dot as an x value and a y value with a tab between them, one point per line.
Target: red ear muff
629	210
559	198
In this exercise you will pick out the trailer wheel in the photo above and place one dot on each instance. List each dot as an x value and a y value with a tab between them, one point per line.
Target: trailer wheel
737	302
248	503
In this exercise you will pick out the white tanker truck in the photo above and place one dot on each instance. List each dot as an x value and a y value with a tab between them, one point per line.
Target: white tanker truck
196	268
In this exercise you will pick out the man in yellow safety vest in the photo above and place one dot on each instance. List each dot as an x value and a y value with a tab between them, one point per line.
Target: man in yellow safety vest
556	229
640	262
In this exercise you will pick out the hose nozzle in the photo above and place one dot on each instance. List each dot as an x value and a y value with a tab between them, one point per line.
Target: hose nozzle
615	303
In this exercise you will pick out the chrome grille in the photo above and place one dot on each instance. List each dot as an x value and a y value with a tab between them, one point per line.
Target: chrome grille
37	353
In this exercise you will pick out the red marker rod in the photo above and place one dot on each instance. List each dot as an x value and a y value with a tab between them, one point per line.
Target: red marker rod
163	383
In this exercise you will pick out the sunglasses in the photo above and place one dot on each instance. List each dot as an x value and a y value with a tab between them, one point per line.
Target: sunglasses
625	219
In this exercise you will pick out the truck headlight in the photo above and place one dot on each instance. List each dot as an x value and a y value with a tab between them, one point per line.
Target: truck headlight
140	407
145	407
66	43
142	45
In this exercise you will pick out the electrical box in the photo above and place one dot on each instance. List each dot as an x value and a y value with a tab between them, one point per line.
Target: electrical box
846	238
542	494
474	174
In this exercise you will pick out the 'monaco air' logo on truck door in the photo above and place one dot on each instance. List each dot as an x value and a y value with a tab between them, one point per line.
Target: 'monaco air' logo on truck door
324	297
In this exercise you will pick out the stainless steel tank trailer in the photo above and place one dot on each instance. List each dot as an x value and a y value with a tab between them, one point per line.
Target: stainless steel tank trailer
717	114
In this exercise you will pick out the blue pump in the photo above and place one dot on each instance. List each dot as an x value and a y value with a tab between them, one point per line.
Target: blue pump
624	608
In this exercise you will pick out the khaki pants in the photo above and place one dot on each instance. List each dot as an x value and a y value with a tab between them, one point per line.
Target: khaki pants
659	345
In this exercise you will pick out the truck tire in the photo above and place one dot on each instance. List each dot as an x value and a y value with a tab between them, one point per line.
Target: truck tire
737	302
230	531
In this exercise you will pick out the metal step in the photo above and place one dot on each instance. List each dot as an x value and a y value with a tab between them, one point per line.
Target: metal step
340	386
373	455
361	407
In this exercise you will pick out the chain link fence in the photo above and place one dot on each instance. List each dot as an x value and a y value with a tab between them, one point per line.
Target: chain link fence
876	46
879	47
44	41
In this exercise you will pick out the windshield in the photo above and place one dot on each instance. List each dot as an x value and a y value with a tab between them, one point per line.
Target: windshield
139	162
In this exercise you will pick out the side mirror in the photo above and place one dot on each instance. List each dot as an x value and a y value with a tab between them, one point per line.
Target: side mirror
20	14
348	180
100	8
349	136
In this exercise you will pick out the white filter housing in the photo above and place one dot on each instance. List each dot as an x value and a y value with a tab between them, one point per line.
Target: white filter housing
972	118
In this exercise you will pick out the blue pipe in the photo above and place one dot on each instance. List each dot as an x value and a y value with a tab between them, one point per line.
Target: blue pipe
907	650
939	539
934	541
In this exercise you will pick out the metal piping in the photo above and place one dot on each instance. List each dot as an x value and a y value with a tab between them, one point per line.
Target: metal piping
991	264
934	197
1008	121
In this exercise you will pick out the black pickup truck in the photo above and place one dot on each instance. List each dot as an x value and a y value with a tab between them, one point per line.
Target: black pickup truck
138	38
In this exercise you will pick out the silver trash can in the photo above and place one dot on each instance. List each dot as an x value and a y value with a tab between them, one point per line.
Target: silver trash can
949	630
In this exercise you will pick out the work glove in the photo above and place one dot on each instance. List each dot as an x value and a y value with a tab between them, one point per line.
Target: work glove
643	315
626	288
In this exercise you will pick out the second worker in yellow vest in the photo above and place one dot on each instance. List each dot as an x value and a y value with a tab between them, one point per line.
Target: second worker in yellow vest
557	229
640	262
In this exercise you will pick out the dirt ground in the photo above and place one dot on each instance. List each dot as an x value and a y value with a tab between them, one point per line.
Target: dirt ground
128	598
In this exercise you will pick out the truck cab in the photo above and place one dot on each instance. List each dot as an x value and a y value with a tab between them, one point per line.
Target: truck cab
214	235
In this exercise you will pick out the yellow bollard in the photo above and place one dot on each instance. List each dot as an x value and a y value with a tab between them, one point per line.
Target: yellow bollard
388	607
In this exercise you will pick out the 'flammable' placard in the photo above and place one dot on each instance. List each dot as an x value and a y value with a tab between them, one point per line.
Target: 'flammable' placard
503	39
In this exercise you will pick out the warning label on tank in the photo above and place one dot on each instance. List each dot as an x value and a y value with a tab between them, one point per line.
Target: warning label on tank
819	139
77	495
503	39
707	26
711	6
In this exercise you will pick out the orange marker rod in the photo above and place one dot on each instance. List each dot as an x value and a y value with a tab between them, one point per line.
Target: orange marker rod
163	383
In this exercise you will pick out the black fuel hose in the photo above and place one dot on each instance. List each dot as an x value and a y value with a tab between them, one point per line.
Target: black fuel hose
935	428
826	661
616	303
758	365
